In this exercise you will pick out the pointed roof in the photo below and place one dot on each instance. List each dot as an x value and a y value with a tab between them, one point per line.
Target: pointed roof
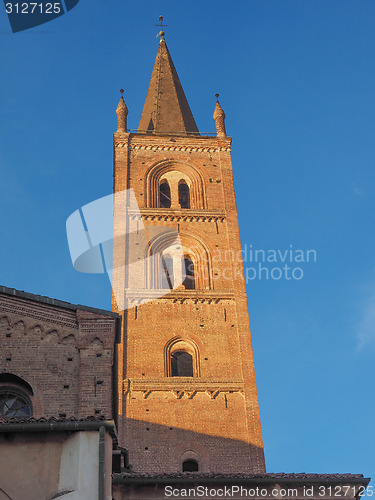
166	108
122	108
218	111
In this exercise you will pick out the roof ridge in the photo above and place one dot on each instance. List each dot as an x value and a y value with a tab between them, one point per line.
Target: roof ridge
53	302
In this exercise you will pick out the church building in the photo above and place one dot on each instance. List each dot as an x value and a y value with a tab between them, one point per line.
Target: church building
160	392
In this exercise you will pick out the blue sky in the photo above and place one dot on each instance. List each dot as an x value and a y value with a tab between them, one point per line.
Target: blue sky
296	80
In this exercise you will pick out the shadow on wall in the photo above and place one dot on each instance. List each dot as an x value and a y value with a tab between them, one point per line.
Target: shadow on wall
158	449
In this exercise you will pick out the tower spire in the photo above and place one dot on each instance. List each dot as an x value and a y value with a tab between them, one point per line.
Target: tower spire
219	117
166	108
122	113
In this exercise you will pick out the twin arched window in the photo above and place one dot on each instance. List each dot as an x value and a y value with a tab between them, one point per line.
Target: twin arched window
188	279
165	197
178	261
182	183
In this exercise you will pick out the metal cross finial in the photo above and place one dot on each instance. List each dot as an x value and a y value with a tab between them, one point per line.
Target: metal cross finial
161	33
161	23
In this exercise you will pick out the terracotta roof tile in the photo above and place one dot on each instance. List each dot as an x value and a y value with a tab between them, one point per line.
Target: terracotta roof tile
43	420
273	476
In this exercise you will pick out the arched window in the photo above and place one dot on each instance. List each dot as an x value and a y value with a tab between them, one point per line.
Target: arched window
14	404
181	358
190	466
167	276
164	195
183	195
15	395
188	273
186	183
181	364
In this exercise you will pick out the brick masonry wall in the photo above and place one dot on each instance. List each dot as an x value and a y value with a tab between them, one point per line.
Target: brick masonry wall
215	414
65	355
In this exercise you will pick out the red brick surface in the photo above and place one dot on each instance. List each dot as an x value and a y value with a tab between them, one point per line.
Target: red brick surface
65	355
215	414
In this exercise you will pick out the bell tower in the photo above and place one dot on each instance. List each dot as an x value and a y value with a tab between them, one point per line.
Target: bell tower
187	390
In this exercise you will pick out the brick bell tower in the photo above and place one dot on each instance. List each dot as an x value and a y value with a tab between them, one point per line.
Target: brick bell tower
187	390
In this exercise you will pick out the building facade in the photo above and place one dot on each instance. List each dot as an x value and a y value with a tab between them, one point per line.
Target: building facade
57	404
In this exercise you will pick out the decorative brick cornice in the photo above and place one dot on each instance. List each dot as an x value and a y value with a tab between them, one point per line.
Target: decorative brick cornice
174	148
168	215
83	324
43	313
182	386
136	297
